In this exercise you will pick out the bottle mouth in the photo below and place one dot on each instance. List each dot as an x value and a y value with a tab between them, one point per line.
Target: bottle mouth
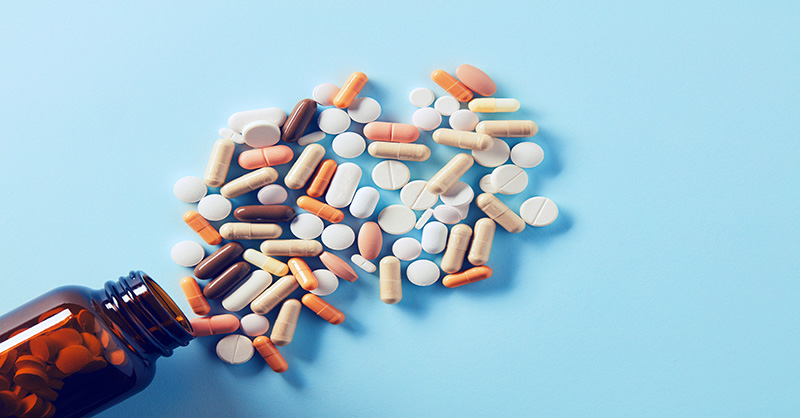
166	301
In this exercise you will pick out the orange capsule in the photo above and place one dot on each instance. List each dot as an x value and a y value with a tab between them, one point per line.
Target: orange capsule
321	178
271	354
323	210
472	275
302	273
324	309
449	83
195	296
214	325
202	227
350	90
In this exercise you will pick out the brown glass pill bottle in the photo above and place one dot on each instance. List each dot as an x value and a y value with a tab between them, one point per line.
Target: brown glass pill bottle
75	351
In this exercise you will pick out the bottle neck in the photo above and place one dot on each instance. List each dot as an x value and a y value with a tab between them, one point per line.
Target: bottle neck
146	316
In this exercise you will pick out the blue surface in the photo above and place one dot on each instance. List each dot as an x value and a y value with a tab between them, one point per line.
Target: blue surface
668	286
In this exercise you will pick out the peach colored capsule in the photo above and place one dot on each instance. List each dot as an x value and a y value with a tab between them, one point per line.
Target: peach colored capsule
219	163
350	90
507	128
200	225
249	182
472	275
391	132
391	285
461	139
448	175
399	151
482	237
286	322
194	296
324	309
370	240
499	212
452	86
270	354
457	244
304	167
274	294
265	157
215	325
322	178
291	247
303	273
476	80
338	266
323	210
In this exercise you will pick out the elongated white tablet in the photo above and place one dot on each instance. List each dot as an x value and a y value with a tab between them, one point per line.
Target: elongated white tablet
333	121
463	120
424	218
423	272
187	253
364	109
260	134
228	133
311	138
363	263
494	156
343	185
397	219
390	175
348	145
272	194
486	184
327	282
416	196
235	349
421	97
458	194
273	115
252	286
324	93
190	189
214	207
527	154
434	237
509	179
447	105
406	248
338	236
254	324
538	211
364	202
306	226
446	214
426	118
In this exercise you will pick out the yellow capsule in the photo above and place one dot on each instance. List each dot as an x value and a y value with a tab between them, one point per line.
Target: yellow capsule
493	105
265	262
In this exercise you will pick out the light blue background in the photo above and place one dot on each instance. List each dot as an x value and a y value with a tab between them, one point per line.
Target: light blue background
668	287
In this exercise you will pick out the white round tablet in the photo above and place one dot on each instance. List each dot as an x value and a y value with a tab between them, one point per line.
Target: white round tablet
446	214
189	189
494	156
527	154
333	121
235	349
424	218
254	325
447	105
187	253
416	195
406	248
396	219
306	226
538	211
364	109
486	184
324	93
390	175
421	97
422	272
338	236
214	207
230	134
272	194
463	120
311	138
426	118
348	145
327	282
434	237
260	134
509	179
458	194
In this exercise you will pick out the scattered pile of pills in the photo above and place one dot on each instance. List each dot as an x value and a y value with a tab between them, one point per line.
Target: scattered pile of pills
277	266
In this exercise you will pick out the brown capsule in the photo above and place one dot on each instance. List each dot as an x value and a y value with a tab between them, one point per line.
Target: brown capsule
227	280
298	120
264	213
218	261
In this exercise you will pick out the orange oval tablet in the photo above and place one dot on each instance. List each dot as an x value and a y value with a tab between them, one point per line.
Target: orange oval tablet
7	360
4	383
476	80
302	273
86	320
270	353
215	325
323	210
370	240
350	90
265	157
66	337
200	225
195	296
29	361
324	309
92	343
338	266
33	406
73	358
30	378
451	85
117	357
44	347
472	275
322	178
391	132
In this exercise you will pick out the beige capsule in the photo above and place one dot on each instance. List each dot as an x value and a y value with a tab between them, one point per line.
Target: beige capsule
462	139
249	182
499	212
286	322
399	151
219	163
457	244
304	167
292	247
448	175
244	230
274	294
265	262
507	128
390	281
482	238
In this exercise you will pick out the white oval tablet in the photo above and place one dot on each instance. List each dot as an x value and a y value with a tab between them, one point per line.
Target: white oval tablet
214	207
189	189
324	93
272	194
463	120
364	202
509	179
422	272
348	145
254	324
306	226
260	134
486	184
252	286
447	105
235	349
421	97
187	253
338	236
396	219
458	194
364	109
363	263
273	115
538	211
527	154
494	156
343	185
406	248
434	237
229	134
328	282
390	175
426	118
333	121
446	214
311	138
416	195
423	219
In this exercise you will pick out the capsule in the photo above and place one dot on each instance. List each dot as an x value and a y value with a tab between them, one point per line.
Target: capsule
472	275
274	294
350	90
292	247
253	285
370	240
214	325
448	175
390	283
303	273
304	167
200	225
449	83
322	178
507	128
286	322
482	238
249	182
298	120
391	132
323	210
457	244
463	139
493	105
399	151
324	309
265	157
264	213
226	281
271	355
194	296
499	212
245	230
218	260
219	163
266	263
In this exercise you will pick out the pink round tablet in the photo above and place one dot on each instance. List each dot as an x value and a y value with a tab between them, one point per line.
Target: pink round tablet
391	132
476	80
338	266
265	157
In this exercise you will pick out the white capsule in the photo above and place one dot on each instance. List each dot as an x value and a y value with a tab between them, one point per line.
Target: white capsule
416	196
327	282
252	286
190	189
214	207
338	236
235	349
509	179
364	109
343	185
187	253
364	202
434	237
406	248
390	175
273	115
363	263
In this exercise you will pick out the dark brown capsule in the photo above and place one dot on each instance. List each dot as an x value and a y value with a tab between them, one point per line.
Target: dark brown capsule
264	213
226	281
218	261
298	120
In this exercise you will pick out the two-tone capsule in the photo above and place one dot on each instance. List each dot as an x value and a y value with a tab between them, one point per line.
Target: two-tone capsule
323	210
200	225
